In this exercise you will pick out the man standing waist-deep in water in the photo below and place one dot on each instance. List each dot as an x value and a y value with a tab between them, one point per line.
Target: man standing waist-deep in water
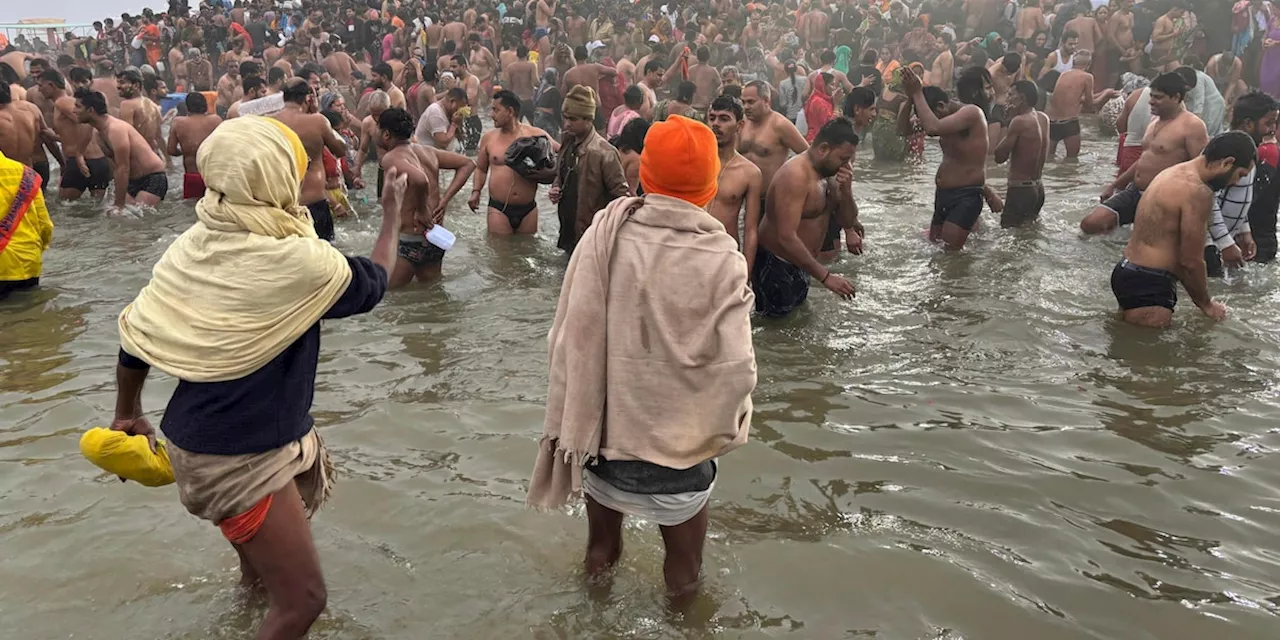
655	287
1167	245
245	453
300	114
511	205
185	137
1025	147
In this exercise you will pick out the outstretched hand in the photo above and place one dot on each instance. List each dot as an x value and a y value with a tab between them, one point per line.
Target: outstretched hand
911	83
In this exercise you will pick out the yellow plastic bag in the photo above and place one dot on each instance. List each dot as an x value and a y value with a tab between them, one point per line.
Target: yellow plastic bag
127	456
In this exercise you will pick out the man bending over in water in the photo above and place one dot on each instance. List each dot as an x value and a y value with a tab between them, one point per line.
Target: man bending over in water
516	211
423	204
1024	146
185	137
805	191
1168	239
962	177
1175	135
139	173
739	181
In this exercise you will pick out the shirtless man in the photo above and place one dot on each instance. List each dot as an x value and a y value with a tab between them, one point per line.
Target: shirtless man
1175	135
20	134
300	114
707	80
767	137
1074	90
381	79
512	209
1061	59
521	77
1030	20
252	88
1167	245
1004	72
228	85
1164	35
185	136
199	71
424	205
1086	27
815	27
139	172
455	32
1120	35
376	104
485	67
962	176
804	192
177	62
85	166
288	60
542	20
1226	68
139	112
942	73
589	74
1025	147
105	83
435	35
740	182
339	64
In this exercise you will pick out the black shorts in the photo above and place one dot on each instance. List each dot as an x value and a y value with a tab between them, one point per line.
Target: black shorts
10	286
99	177
961	206
1022	202
997	114
1136	287
322	218
42	170
1062	129
779	286
156	184
1124	204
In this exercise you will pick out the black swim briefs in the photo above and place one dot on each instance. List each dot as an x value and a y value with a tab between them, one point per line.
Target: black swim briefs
779	286
515	213
961	206
1060	130
1124	204
1022	202
322	218
1136	287
99	177
156	184
418	252
42	169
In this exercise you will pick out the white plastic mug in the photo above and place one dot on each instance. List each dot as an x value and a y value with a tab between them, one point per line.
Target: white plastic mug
441	237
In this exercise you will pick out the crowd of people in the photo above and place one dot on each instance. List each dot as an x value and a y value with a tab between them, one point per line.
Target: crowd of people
662	131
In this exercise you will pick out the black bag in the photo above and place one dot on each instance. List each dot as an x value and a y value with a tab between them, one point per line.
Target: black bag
528	155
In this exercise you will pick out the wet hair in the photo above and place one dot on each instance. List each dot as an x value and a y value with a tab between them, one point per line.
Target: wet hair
935	96
1049	81
1228	58
1251	106
92	100
54	78
458	94
727	103
510	100
6	93
250	68
276	75
1170	84
249	83
1188	76
979	58
733	91
685	91
325	50
651	66
633	97
130	76
827	57
296	91
1029	91
80	75
836	132
1192	60
580	53
704	55
1232	144
1069	34
859	97
65	60
762	88
334	118
631	138
522	52
7	74
150	83
397	122
972	84
196	103
383	69
460	59
1012	62
870	57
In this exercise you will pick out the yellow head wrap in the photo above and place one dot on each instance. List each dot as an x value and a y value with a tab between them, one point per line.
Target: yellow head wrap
252	168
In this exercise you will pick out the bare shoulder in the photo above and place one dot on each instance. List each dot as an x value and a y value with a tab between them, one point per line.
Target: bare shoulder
746	167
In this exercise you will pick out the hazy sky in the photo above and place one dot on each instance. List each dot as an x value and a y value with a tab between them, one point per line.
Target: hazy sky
74	10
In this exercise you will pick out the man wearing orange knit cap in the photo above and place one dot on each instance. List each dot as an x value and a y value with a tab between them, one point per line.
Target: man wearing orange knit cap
648	410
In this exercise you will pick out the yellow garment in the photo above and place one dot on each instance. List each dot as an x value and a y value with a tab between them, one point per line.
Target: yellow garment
127	456
250	276
23	258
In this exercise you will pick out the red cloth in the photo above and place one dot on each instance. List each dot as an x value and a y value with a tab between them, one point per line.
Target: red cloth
1269	154
819	109
241	31
192	186
1126	156
242	528
330	165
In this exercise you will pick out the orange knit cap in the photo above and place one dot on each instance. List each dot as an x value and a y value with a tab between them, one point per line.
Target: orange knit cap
681	160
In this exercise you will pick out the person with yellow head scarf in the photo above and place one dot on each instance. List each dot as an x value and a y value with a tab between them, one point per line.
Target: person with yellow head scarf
25	227
233	312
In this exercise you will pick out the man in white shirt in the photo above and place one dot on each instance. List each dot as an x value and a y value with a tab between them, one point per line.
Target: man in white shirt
441	122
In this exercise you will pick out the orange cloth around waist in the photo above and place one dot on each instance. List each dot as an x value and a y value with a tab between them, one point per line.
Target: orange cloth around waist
242	528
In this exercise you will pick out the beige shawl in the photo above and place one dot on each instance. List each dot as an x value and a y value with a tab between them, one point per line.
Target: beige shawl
650	351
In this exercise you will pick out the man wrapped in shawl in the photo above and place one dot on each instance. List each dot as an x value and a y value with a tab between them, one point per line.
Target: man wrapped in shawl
233	312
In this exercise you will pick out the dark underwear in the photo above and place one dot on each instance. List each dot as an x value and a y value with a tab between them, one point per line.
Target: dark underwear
1124	204
471	129
1062	129
99	177
418	252
779	286
322	218
647	478
515	213
832	241
156	184
997	114
10	286
380	178
961	206
1022	202
1213	263
1136	287
42	170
